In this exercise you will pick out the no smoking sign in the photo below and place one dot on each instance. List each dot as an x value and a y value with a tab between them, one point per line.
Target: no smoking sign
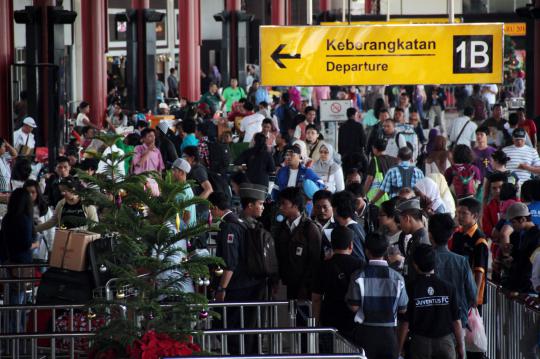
335	107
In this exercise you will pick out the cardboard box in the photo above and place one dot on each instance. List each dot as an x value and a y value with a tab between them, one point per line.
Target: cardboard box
69	249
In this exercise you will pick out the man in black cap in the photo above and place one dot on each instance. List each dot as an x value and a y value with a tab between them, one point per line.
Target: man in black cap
236	284
410	220
333	283
432	314
261	254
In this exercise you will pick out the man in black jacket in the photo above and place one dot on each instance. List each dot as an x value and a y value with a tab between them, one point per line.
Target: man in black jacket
352	137
166	147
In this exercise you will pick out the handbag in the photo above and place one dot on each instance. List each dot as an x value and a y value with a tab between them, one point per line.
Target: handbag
376	184
475	333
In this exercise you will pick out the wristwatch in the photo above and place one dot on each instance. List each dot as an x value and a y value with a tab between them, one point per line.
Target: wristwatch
220	289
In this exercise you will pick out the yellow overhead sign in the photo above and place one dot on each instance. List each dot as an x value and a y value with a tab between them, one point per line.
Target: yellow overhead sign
515	28
381	54
400	20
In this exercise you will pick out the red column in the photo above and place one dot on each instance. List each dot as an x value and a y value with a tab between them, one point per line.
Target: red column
278	12
325	5
94	62
190	49
6	60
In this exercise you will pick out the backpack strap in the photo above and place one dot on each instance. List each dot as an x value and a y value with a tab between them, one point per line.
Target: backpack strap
461	132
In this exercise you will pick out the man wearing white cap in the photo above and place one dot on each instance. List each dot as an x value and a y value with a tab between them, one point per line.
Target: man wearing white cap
180	170
163	109
23	138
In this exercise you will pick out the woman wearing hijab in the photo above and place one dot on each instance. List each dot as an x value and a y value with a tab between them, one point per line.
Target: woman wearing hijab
428	191
328	170
445	193
437	160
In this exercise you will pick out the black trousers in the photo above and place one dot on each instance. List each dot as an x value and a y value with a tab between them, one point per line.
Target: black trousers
378	342
250	294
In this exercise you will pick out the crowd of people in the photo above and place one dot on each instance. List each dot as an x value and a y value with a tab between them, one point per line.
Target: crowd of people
392	233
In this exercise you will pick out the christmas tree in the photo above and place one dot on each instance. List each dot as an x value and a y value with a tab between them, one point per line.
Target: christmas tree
149	259
511	62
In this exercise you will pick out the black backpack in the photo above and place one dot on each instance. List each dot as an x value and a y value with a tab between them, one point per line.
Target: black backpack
219	157
261	256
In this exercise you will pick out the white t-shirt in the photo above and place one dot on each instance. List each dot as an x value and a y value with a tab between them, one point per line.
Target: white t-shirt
250	125
491	98
469	132
520	155
80	120
20	138
292	177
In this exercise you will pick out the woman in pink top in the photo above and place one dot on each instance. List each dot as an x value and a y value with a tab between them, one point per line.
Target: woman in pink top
147	157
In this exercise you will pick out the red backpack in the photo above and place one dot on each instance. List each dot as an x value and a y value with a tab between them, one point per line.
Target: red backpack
463	180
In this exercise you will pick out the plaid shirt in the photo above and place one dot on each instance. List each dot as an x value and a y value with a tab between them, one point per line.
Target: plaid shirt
392	179
379	292
204	152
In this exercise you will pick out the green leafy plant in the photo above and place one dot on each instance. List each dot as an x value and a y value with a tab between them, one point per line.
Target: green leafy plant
150	259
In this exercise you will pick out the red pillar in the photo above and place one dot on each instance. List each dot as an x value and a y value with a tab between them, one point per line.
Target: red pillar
278	12
94	62
189	32
325	5
6	60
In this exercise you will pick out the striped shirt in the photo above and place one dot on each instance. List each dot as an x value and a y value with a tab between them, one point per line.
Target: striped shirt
5	173
392	179
379	292
518	155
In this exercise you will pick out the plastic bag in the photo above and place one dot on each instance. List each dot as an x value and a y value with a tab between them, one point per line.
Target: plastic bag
475	334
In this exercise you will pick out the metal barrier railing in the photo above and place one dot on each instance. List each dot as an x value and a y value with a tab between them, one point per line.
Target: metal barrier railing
301	356
20	327
21	332
18	349
300	341
512	327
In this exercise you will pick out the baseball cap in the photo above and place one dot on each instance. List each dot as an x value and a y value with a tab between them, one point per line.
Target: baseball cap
182	165
255	191
163	126
518	133
516	210
294	149
408	204
30	122
163	105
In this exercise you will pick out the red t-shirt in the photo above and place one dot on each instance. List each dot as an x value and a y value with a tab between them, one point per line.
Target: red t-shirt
529	126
